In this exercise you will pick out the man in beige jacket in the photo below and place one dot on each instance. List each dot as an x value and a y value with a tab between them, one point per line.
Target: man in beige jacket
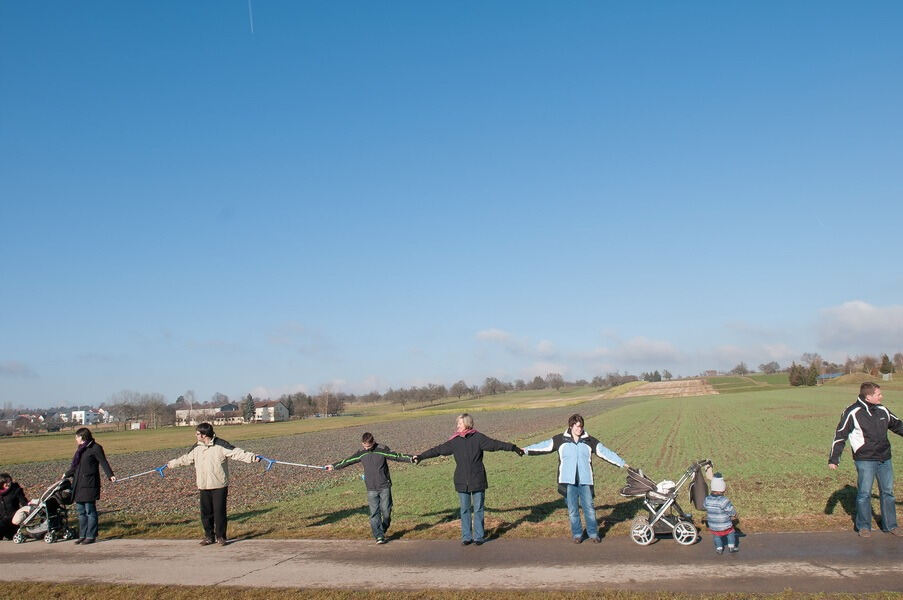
209	456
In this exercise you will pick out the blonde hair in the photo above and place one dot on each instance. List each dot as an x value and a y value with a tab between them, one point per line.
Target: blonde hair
466	420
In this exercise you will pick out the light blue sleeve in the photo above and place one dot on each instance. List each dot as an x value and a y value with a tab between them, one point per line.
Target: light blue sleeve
609	455
543	447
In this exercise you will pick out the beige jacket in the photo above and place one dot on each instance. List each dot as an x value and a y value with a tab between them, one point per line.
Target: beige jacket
210	464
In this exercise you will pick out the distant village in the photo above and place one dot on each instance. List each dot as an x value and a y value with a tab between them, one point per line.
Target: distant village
133	417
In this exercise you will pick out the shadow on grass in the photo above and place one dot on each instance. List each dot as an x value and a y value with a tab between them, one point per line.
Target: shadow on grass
339	515
620	512
846	498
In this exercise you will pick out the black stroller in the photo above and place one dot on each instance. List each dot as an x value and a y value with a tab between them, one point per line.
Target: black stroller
660	499
49	515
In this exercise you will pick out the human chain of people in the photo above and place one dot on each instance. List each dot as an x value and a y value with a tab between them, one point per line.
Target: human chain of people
864	424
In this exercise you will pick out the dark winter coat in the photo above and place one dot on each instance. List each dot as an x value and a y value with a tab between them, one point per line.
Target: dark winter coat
866	426
86	475
376	469
11	500
470	475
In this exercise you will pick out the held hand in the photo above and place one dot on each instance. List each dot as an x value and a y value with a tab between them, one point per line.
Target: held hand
519	451
256	459
328	467
415	459
113	478
832	466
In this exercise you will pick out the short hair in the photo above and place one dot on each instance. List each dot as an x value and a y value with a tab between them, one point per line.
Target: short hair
367	438
85	434
205	429
867	389
574	419
5	479
466	419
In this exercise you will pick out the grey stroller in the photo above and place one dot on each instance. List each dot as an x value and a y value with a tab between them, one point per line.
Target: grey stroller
49	516
660	499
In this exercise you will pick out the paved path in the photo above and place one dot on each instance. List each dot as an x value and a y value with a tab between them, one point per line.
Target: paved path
768	562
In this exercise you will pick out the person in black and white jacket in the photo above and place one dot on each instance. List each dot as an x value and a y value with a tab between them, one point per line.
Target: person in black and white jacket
865	424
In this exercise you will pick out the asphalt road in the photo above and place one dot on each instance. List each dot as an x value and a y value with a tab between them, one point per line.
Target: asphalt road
767	562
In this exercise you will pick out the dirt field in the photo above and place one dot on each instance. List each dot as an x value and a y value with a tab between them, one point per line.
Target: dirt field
672	389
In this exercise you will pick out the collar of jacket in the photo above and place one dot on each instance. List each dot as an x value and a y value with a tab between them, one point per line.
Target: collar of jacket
570	438
868	405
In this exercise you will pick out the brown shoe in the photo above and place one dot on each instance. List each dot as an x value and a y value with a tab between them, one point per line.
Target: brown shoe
207	542
578	540
597	540
865	533
896	531
88	541
222	541
80	541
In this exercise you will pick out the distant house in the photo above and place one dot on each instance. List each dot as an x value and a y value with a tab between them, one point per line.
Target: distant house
229	417
186	417
86	417
269	412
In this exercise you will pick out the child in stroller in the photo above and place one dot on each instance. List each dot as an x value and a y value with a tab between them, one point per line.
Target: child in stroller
660	499
47	516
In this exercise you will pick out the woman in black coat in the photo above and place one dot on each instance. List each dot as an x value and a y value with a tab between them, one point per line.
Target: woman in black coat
467	446
12	498
85	471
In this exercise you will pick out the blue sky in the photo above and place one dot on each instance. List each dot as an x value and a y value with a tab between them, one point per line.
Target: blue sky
366	195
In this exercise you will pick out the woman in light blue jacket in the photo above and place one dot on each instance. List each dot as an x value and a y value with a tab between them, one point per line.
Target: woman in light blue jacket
575	473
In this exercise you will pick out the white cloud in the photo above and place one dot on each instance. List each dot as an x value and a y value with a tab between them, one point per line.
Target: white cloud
16	369
493	335
859	326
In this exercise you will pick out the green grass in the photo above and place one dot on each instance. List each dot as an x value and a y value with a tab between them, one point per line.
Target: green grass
771	446
731	384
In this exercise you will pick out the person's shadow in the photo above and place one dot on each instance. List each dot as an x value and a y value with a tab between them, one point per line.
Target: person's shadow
846	497
620	512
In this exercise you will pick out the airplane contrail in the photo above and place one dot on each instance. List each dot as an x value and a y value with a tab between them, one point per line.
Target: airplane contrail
251	17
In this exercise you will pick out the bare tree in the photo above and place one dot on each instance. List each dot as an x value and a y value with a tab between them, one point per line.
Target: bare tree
555	380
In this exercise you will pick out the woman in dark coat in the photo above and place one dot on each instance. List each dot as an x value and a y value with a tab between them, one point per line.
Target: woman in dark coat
12	498
85	471
467	446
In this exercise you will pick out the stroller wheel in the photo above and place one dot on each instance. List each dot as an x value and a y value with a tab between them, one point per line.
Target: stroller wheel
19	537
641	532
685	533
50	537
69	533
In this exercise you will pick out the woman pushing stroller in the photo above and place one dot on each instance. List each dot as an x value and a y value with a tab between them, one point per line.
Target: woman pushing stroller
575	473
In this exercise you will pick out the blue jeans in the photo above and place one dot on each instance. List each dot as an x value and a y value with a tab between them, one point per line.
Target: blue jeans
472	507
380	511
868	471
580	496
730	538
87	520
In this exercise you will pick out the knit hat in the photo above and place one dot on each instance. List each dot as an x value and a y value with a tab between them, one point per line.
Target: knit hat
718	484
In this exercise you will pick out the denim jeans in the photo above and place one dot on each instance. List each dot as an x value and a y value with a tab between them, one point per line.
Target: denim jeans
472	506
730	538
87	520
581	496
868	471
380	503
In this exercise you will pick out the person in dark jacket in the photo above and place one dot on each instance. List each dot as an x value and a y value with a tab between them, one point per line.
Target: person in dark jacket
376	477
85	473
12	498
865	423
467	446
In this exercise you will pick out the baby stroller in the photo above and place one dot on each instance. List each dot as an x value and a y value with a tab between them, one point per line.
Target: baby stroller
49	515
660	499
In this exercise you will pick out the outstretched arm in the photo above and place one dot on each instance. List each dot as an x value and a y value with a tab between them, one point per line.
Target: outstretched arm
607	454
356	457
545	447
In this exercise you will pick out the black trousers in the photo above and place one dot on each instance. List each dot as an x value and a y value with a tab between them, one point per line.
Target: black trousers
213	512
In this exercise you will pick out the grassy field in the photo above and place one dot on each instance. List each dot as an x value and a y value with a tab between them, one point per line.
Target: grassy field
771	446
58	446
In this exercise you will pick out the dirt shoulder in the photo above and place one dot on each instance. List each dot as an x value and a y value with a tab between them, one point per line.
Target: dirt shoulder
767	562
